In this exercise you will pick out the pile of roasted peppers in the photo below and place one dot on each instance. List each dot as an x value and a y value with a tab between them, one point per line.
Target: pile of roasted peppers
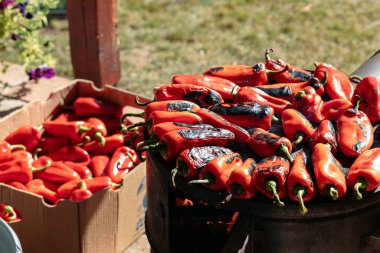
72	156
272	129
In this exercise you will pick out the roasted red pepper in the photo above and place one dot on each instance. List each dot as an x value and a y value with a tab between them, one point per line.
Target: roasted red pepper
72	130
251	94
355	132
94	185
266	144
299	182
333	109
292	75
38	187
296	126
246	115
325	133
209	117
329	173
9	214
222	86
71	153
368	90
123	160
99	164
90	106
338	85
216	172
270	178
309	104
364	173
111	144
26	135
244	75
174	142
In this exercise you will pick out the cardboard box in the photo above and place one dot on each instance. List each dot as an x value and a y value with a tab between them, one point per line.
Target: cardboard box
106	223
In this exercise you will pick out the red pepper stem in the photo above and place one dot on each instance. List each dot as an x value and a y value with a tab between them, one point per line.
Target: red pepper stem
275	120
270	186
361	184
82	184
301	205
135	125
153	147
200	181
147	142
140	115
316	64
356	78
174	174
131	157
272	72
36	152
298	138
224	201
267	52
18	146
137	101
332	192
83	129
99	136
357	104
301	94
324	80
8	210
86	139
47	165
284	150
235	90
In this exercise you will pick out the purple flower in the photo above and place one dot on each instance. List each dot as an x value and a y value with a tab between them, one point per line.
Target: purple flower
42	71
5	3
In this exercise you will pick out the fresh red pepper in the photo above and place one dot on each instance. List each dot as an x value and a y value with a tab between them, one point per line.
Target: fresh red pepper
325	133
98	130
99	164
296	126
123	160
251	94
72	130
51	171
83	171
333	109
111	144
338	85
368	90
71	153
222	86
355	132
266	144
9	214
112	123
82	193
38	187
50	144
329	173
364	173
90	106
26	135
17	167
244	75
6	149
246	115
309	104
299	182
216	172
270	178
209	117
17	185
94	185
292	75
66	117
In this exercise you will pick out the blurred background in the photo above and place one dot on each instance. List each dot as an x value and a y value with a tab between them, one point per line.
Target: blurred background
161	38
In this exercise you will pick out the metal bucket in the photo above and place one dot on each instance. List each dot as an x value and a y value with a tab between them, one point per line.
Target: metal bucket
9	242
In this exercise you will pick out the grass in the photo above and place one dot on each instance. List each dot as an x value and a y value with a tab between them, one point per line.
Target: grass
159	39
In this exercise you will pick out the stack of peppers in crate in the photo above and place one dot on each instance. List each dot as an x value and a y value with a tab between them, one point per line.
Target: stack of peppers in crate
72	156
271	128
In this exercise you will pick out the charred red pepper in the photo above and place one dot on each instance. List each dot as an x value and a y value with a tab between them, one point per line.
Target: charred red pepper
216	172
90	106
246	115
296	126
71	153
364	173
329	173
309	104
368	90
251	94
99	164
38	187
26	135
325	133
333	109
270	178
266	144
222	86
111	144
355	132
338	85
244	75
9	214
292	75
123	160
299	182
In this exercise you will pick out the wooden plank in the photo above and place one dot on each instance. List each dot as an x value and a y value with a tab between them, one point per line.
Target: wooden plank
94	41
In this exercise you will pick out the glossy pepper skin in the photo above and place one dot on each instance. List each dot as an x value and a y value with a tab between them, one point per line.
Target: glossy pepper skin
222	86
123	160
72	130
338	85
243	75
200	95
309	104
90	106
296	126
83	171
112	142
66	117
17	167
333	109
325	133
9	214
98	130
364	173
99	164
266	144
94	185
174	142
292	75
209	117
299	182
216	172
17	185
355	132
82	193
368	90
252	94
6	149
270	178
71	153
38	187
26	135
329	173
246	115
240	181
50	144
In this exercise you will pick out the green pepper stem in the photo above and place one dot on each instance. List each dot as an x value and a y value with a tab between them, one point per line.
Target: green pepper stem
316	64
333	192
9	210
235	90
301	205
301	94
36	152
224	201
361	184
86	139
200	181
354	78
272	72
129	114
132	126
147	142
284	149
99	136
275	120
174	174
83	129
137	101
47	165
131	157
324	80
298	138
270	186
267	52
82	184
18	146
